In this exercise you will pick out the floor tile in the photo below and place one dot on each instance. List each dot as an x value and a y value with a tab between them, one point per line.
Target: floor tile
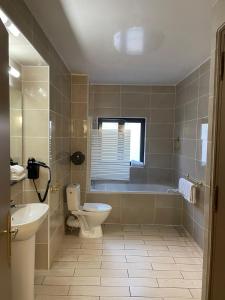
181	299
189	260
63	265
66	257
179	267
99	291
78	252
174	254
155	274
192	275
159	292
71	281
125	252
101	273
149	262
150	259
111	258
196	293
131	298
126	266
51	290
45	297
55	272
180	283
148	282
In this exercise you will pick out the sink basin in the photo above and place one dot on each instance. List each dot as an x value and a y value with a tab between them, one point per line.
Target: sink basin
27	218
25	222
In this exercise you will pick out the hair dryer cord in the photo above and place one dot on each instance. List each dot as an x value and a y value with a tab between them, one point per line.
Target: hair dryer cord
47	187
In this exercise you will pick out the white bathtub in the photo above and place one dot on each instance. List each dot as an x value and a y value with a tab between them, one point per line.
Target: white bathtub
130	187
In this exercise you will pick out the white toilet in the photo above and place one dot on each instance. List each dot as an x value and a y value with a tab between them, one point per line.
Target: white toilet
90	216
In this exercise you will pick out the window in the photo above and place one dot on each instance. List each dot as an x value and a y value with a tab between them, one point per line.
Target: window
137	133
204	143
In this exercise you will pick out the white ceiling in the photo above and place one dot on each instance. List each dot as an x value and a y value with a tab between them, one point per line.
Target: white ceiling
128	41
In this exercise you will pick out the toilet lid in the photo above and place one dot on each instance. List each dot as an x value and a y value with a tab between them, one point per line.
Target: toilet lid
97	207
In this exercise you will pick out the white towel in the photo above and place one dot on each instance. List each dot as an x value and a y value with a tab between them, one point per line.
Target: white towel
136	164
15	177
188	190
17	170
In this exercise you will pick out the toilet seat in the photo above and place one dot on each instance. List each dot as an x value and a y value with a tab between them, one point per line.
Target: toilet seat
96	207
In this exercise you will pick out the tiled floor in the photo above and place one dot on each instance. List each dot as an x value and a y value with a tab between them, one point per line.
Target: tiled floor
136	262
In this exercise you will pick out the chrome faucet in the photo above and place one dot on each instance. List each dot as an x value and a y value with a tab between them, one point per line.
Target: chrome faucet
12	203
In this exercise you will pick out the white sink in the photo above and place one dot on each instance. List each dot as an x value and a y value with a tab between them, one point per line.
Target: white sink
27	218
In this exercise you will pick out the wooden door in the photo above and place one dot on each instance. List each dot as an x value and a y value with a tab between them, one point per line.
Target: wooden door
217	280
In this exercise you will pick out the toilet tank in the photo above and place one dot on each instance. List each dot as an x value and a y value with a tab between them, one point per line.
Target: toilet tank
73	197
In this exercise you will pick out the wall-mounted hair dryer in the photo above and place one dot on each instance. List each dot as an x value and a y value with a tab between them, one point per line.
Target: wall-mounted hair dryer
33	168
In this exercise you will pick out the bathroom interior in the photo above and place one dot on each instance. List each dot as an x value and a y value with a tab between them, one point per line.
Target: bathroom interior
111	168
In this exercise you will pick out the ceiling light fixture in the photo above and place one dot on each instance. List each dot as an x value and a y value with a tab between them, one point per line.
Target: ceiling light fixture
13	29
3	17
130	41
14	72
9	24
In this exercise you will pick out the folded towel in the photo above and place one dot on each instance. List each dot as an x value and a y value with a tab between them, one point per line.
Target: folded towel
17	170
188	190
18	177
136	164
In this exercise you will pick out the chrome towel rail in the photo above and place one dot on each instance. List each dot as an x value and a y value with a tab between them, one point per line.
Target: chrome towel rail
195	181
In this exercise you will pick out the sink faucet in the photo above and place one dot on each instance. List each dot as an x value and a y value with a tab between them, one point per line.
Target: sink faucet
12	203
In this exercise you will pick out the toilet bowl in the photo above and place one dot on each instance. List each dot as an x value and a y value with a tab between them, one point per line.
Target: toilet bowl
90	216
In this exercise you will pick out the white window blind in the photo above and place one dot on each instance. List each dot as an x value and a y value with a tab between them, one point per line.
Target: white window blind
110	154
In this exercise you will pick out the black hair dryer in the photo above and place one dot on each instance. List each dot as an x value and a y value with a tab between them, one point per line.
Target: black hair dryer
33	168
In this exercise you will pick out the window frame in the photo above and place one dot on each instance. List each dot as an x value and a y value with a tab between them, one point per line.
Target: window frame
122	121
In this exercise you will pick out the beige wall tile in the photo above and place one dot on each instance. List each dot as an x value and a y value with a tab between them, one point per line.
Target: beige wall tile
135	101
162	101
79	79
79	111
161	146
35	95
38	148
163	89
36	123
162	161
161	130
35	74
192	112
168	216
98	89
136	89
161	116
106	112
41	256
79	92
59	98
134	113
137	212
106	100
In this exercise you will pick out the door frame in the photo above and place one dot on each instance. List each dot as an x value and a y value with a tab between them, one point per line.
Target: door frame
5	236
217	205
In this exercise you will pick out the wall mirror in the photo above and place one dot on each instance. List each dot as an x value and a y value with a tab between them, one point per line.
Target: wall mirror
29	91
